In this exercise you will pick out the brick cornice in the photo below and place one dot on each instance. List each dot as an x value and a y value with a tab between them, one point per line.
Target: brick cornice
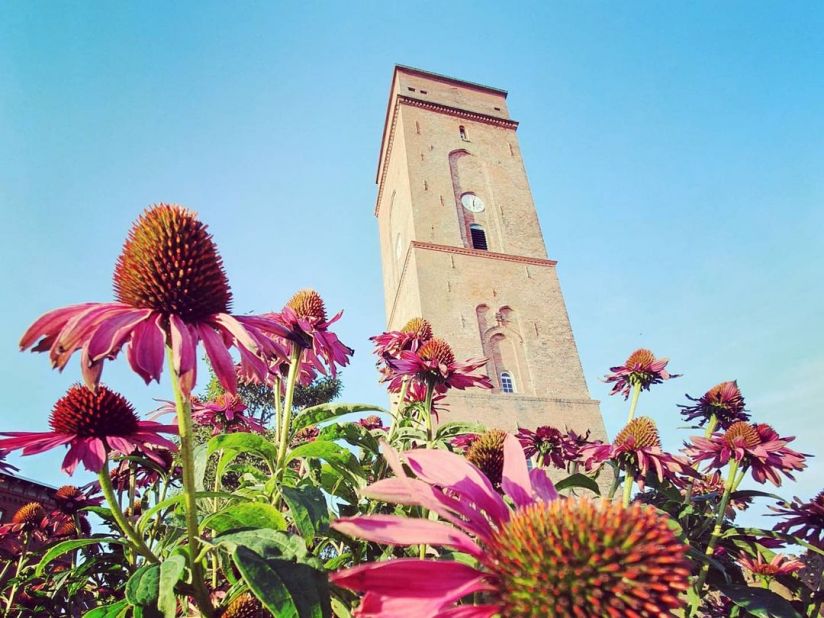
437	108
491	255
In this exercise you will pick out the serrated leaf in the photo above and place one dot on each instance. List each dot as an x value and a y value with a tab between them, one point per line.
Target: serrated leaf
352	433
142	587
265	583
66	546
759	602
245	442
308	508
246	515
578	480
326	411
265	543
171	571
333	453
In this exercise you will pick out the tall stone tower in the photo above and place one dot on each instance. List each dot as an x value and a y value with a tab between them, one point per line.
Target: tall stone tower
462	247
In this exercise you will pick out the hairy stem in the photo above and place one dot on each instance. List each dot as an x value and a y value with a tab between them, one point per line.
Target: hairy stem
633	403
134	538
283	433
628	480
183	408
427	410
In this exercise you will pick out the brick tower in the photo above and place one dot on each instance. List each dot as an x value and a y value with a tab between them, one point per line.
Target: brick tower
462	247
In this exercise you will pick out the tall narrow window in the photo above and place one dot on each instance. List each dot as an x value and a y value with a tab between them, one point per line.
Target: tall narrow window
478	237
507	384
462	131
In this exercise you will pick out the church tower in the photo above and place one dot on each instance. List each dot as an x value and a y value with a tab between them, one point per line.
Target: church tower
462	247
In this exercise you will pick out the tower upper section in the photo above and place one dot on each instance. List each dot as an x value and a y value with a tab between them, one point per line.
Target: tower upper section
450	173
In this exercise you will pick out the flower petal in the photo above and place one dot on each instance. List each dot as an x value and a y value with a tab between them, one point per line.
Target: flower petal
219	357
394	530
435	579
515	478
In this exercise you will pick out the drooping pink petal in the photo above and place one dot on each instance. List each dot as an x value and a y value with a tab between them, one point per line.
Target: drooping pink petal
542	486
470	611
48	326
221	360
394	530
515	479
437	580
240	334
110	334
447	469
146	350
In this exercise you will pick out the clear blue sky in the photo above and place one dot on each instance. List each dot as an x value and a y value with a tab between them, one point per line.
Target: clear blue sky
676	156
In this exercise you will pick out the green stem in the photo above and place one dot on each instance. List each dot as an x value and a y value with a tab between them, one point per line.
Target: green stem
636	392
119	518
278	410
427	406
716	532
21	561
616	481
707	433
184	425
628	480
291	379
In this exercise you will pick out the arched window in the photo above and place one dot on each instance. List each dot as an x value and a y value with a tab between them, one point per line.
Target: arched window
462	131
478	237
507	383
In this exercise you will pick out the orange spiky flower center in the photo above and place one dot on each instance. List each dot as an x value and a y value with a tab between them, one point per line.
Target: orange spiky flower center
419	327
29	515
169	263
640	432
245	606
742	434
438	350
640	359
487	454
68	497
575	557
93	414
308	304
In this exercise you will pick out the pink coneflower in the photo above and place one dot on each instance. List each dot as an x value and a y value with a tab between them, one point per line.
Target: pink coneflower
547	557
710	487
637	448
804	520
435	362
245	606
553	447
225	414
155	464
416	394
486	452
779	565
30	520
305	324
641	369
389	345
755	447
372	422
304	435
92	424
723	402
171	289
70	499
65	526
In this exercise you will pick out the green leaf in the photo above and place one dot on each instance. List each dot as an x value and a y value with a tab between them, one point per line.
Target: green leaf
456	428
142	587
309	587
201	459
760	602
245	442
63	547
326	411
246	515
146	518
115	610
743	494
578	480
331	452
171	570
265	583
352	433
266	543
308	508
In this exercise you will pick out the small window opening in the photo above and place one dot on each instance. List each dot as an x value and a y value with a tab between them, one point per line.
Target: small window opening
478	237
497	109
507	384
462	131
424	92
410	89
417	127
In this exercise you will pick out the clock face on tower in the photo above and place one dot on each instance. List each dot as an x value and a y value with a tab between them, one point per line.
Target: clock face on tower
472	202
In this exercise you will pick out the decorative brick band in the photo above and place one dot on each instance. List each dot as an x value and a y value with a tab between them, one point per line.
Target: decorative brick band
506	257
438	108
